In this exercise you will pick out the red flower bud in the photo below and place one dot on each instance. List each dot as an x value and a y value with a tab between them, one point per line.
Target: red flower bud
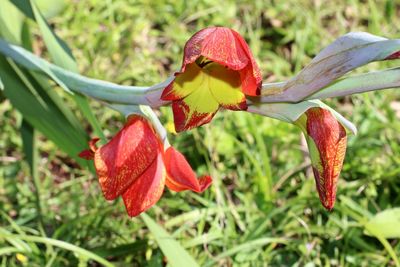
327	141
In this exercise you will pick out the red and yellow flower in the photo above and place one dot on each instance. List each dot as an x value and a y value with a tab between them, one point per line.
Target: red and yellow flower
218	70
135	165
327	141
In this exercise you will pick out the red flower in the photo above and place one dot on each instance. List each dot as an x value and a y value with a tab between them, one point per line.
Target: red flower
327	141
134	164
218	69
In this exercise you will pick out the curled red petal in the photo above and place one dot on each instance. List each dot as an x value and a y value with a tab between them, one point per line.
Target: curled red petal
180	175
122	160
86	154
92	144
147	189
330	140
193	47
251	74
224	47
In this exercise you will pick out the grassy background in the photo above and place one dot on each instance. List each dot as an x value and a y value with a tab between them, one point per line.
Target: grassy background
241	220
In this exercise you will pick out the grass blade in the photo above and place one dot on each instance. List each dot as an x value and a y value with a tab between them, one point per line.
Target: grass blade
177	256
38	113
248	246
61	244
62	56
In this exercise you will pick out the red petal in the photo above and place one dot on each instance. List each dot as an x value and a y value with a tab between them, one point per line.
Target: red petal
226	47
182	122
330	139
168	95
147	189
251	75
180	174
222	46
251	80
122	160
86	154
193	47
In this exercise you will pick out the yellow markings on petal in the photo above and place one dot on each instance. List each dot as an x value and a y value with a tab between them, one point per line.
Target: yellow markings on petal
201	89
201	100
209	87
224	84
188	81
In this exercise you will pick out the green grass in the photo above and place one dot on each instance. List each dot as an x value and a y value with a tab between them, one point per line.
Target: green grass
243	219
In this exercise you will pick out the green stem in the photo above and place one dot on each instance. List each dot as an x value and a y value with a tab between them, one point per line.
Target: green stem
98	89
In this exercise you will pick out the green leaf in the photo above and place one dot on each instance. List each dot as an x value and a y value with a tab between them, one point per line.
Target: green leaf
58	49
177	256
57	243
51	8
386	223
121	250
11	22
372	81
24	6
248	246
345	54
62	56
290	112
29	141
18	88
97	89
29	135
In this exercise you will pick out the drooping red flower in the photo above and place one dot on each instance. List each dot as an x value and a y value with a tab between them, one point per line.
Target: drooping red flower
327	141
135	165
218	69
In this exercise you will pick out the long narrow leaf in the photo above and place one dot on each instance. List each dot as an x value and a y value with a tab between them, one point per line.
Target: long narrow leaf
290	112
62	56
61	244
38	113
11	22
97	89
345	54
371	81
177	256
